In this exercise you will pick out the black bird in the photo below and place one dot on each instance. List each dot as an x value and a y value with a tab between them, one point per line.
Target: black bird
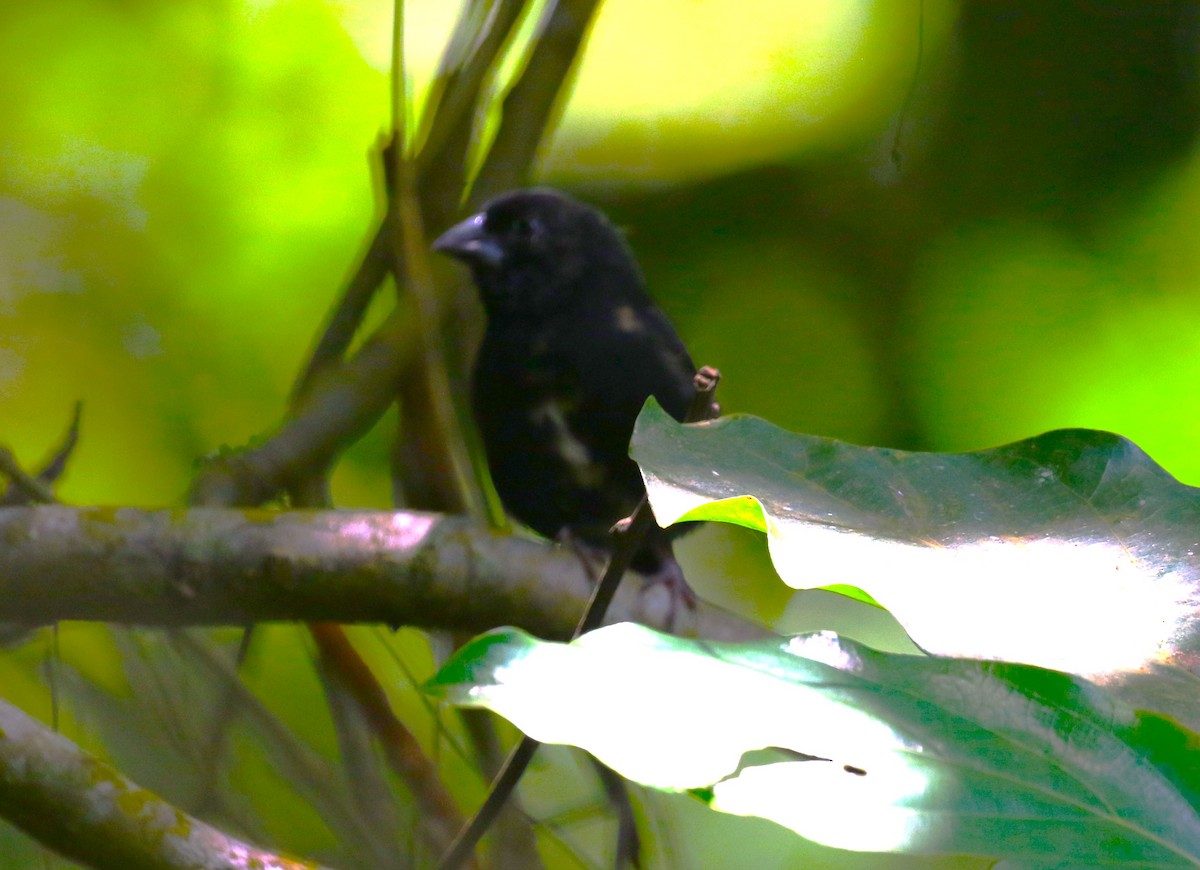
573	347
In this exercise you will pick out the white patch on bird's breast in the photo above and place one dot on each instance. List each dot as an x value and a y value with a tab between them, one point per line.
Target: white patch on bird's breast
574	453
627	320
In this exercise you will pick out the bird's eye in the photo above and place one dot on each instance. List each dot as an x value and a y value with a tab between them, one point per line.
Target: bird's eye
525	229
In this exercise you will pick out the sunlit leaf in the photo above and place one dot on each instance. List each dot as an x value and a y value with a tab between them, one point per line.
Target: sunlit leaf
1072	550
913	754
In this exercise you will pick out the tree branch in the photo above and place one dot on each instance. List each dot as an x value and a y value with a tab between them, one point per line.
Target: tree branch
530	108
234	567
471	56
343	403
85	809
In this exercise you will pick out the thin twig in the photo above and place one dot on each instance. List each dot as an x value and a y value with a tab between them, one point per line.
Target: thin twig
371	793
27	488
30	488
58	463
222	722
629	843
439	812
307	770
502	787
627	537
348	314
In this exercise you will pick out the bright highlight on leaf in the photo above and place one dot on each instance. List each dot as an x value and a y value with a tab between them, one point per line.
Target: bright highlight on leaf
858	749
653	675
798	794
1072	550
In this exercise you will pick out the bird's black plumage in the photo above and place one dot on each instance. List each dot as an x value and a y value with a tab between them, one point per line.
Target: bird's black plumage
573	347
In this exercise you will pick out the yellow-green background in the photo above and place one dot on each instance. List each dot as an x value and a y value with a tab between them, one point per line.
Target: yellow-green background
184	185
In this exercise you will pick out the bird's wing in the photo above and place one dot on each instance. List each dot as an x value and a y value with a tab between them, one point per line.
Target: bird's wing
635	354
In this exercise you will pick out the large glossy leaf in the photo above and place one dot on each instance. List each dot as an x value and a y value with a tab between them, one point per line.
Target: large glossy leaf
1072	550
915	754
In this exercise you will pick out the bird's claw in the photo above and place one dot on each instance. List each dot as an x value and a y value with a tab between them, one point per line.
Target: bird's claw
681	596
592	560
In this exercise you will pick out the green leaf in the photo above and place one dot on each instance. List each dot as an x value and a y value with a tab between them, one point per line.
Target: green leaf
914	754
1072	550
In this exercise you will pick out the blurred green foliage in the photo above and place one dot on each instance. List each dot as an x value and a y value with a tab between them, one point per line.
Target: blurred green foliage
182	186
185	185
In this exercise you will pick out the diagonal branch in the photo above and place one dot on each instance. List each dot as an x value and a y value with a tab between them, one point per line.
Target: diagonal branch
531	105
36	489
473	53
343	403
337	404
82	807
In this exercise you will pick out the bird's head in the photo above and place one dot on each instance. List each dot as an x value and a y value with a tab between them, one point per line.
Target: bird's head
534	252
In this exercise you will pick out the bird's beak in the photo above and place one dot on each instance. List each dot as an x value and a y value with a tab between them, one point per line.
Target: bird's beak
470	242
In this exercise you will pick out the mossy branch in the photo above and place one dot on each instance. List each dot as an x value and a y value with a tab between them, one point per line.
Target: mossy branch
208	566
82	807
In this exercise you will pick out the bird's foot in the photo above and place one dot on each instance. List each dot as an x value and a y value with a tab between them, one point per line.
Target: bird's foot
681	597
667	576
593	559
